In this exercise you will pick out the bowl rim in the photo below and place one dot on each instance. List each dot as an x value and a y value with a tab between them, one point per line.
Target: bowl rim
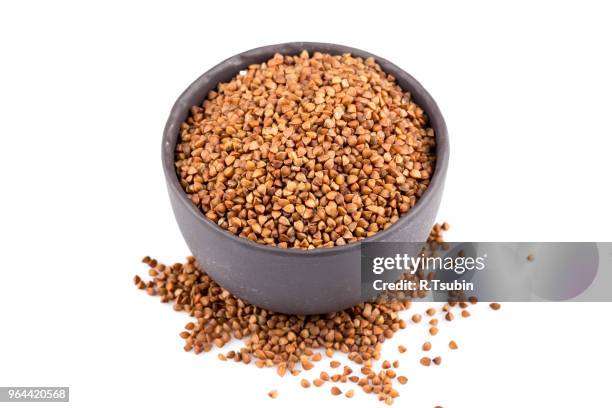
433	111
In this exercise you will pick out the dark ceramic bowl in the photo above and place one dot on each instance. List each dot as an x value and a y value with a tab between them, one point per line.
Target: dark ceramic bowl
292	280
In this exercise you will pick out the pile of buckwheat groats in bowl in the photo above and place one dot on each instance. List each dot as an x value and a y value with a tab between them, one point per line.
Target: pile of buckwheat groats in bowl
296	344
306	151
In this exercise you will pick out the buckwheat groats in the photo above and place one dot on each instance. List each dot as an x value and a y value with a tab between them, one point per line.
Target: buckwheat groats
306	151
294	344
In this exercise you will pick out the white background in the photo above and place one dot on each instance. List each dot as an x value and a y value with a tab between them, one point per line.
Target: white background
85	90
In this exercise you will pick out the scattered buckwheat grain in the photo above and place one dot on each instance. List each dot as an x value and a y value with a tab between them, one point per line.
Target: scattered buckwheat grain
289	342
